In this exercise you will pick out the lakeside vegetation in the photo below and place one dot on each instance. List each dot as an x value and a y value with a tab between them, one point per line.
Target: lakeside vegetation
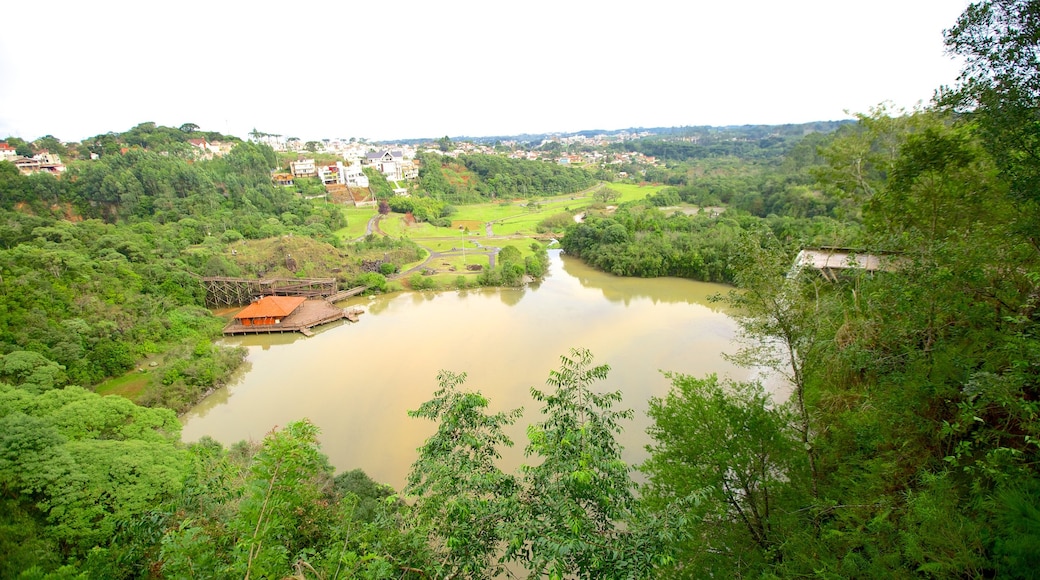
909	447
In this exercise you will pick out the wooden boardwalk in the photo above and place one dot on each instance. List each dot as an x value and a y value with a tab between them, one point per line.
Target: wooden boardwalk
223	292
344	294
310	314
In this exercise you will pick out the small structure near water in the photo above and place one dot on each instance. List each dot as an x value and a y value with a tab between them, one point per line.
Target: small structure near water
831	261
286	314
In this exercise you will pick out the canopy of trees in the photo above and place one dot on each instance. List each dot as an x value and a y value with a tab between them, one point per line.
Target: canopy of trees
907	443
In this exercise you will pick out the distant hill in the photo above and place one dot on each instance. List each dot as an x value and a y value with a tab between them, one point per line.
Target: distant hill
743	131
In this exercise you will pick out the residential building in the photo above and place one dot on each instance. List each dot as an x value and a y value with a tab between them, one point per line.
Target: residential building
7	153
42	162
284	179
354	176
303	168
332	174
388	163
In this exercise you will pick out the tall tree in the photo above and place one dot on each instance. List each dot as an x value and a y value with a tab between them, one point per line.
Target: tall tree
578	494
463	498
783	324
725	453
1000	85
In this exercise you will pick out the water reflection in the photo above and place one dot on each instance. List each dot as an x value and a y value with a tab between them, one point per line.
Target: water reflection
625	290
357	381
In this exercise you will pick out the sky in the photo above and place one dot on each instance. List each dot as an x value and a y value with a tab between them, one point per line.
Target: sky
414	69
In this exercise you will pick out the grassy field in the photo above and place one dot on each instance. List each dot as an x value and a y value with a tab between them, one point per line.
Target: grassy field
514	223
357	220
129	385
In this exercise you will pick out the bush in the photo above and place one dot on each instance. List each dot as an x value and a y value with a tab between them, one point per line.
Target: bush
374	281
420	282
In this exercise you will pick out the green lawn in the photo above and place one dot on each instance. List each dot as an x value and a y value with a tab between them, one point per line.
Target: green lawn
631	192
516	219
357	220
129	385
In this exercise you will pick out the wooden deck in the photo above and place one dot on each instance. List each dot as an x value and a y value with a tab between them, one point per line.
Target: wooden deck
310	314
832	261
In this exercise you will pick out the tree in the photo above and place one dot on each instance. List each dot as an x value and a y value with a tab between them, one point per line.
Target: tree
463	498
282	491
724	452
999	85
21	147
783	323
31	371
52	144
606	195
578	496
190	128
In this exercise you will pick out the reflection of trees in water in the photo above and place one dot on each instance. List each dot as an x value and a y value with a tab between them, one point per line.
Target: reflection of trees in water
372	305
623	290
423	296
220	396
512	296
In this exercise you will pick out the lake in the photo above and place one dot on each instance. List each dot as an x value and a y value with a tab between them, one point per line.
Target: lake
357	381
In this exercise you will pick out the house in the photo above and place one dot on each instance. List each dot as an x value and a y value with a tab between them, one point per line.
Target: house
354	176
303	168
409	169
284	179
269	310
42	162
221	148
332	174
7	152
389	163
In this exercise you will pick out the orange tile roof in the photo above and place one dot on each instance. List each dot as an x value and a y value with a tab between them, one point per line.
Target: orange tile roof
271	306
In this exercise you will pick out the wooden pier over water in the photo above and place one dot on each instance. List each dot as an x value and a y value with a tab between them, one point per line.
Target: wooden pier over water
312	313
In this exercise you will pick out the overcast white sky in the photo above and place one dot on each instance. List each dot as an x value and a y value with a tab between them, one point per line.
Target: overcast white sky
394	70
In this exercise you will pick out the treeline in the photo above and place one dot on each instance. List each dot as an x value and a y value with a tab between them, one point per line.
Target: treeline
796	194
491	177
231	197
641	240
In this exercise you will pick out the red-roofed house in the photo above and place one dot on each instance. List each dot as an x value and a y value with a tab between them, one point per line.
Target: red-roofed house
269	310
6	151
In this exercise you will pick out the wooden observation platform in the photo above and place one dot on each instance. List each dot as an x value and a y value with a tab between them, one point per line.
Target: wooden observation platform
225	292
830	262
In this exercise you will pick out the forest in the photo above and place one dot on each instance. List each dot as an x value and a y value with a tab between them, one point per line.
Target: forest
909	445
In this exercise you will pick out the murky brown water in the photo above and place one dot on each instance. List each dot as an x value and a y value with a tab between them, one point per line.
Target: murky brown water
357	381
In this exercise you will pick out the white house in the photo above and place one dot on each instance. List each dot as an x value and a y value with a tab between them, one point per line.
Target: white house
332	174
7	152
354	176
388	163
303	168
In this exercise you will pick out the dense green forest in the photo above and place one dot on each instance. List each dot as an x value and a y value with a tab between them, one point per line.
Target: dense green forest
909	444
478	177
